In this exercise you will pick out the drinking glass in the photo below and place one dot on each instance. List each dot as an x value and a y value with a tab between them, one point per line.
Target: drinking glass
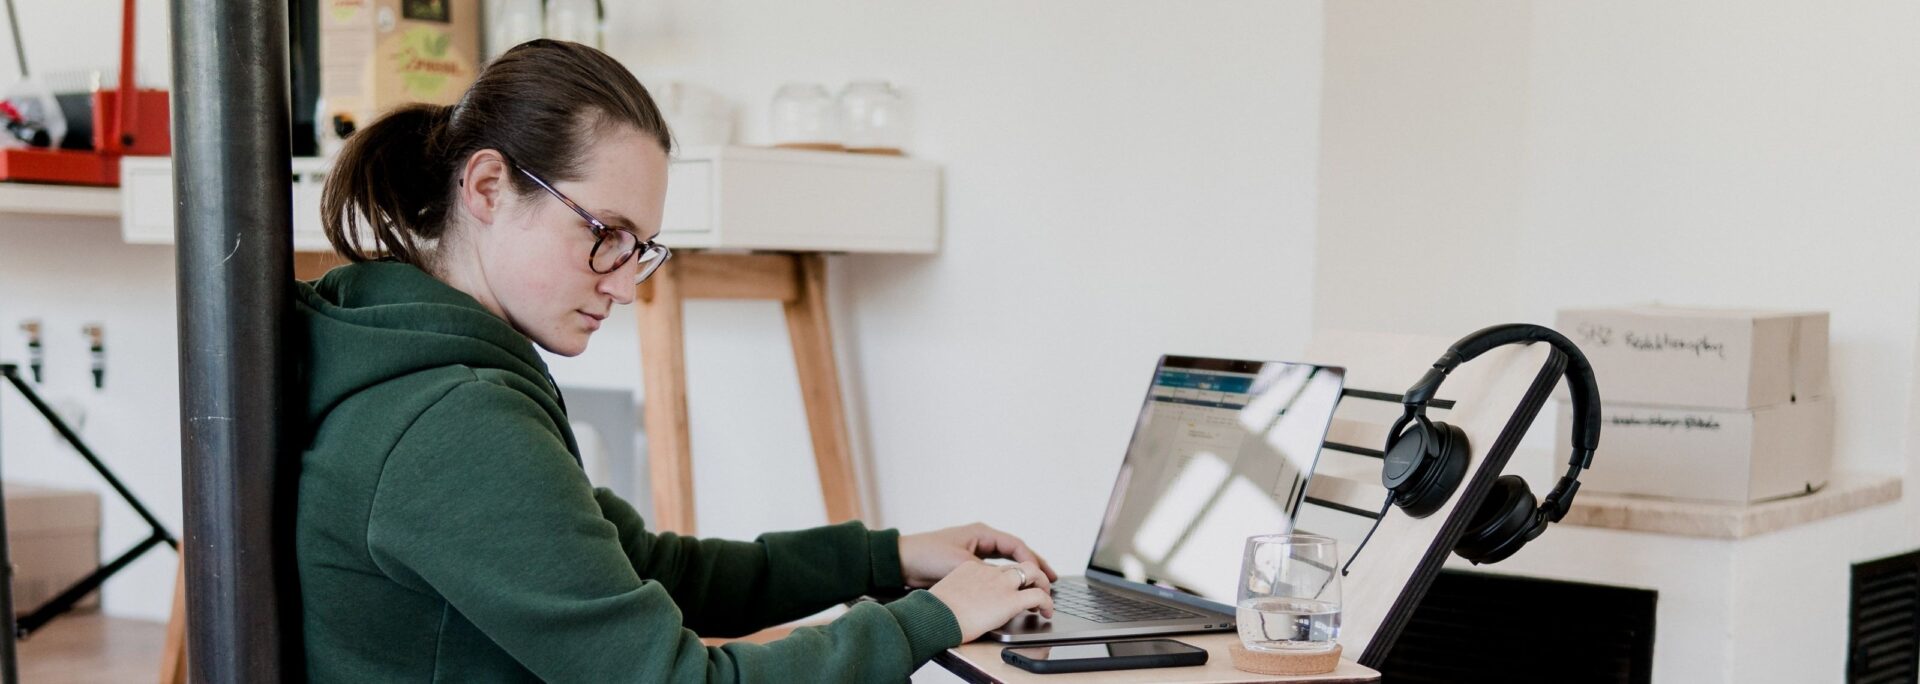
1290	594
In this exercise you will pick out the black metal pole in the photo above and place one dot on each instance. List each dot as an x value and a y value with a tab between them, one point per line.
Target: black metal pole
9	661
233	227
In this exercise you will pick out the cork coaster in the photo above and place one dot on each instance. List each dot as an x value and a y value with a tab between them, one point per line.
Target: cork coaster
1267	662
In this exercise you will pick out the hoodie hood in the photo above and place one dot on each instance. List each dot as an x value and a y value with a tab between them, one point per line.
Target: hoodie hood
371	322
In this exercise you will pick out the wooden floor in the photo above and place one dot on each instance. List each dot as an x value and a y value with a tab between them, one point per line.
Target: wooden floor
91	647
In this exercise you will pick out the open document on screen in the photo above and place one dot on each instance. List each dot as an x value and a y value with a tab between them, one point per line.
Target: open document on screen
1221	452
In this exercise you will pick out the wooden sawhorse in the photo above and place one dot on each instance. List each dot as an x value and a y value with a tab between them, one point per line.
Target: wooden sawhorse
798	280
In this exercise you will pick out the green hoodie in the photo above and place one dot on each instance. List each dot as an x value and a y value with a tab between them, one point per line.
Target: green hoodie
446	532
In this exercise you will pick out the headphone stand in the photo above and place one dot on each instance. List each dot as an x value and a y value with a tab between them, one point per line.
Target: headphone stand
1493	399
1485	470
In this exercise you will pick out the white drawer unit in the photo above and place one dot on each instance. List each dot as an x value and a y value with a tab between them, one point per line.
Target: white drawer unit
146	202
736	198
752	198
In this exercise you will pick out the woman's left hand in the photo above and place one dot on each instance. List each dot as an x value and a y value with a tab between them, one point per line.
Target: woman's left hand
927	557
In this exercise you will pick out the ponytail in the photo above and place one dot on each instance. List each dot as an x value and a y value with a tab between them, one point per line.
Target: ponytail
391	176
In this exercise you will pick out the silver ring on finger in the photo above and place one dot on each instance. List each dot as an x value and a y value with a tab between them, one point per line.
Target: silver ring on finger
1023	575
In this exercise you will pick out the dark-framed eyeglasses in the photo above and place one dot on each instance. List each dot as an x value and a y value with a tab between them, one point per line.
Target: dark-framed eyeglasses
612	247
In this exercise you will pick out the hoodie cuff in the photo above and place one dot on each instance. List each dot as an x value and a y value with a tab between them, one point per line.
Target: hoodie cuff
929	625
883	560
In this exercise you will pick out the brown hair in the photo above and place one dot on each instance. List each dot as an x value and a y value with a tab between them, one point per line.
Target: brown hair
538	104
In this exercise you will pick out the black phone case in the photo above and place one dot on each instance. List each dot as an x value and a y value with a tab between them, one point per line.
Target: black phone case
1198	656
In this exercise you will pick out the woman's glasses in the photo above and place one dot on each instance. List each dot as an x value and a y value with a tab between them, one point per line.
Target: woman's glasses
612	247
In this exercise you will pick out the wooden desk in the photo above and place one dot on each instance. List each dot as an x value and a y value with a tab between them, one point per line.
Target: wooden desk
980	662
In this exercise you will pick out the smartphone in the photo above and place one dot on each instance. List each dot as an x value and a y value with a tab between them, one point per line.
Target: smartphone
1108	655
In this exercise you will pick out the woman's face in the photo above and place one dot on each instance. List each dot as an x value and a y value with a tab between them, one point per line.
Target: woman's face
533	257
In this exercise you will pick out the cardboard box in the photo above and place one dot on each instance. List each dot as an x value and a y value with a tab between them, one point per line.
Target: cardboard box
53	538
379	54
1722	456
1710	358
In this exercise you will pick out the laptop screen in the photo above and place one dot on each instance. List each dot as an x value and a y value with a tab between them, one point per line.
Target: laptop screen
1221	452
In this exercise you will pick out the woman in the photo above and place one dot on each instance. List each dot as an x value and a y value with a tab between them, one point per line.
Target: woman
446	531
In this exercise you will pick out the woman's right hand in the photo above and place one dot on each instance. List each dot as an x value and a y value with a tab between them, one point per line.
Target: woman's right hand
984	597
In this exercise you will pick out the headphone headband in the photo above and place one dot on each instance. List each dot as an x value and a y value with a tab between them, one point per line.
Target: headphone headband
1580	383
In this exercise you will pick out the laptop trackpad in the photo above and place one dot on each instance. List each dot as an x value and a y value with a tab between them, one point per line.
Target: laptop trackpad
1032	623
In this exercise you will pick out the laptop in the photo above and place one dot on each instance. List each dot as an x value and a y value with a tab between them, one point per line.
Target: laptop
1221	452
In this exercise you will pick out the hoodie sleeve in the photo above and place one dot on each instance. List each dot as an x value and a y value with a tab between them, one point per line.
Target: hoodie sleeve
730	588
479	503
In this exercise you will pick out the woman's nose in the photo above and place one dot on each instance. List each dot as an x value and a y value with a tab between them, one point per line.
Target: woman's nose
619	285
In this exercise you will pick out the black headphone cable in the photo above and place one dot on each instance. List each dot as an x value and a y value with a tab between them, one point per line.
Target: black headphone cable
1384	507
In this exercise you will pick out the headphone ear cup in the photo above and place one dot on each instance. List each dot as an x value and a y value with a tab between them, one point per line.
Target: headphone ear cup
1502	523
1440	475
1406	455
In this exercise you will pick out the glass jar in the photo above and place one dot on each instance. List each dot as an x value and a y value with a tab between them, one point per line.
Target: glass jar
805	116
510	23
574	20
876	118
698	116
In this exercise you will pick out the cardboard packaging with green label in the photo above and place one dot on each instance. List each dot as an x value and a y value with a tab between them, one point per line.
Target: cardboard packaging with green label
376	55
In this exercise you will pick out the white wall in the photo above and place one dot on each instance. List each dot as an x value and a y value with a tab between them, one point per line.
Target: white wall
1490	161
1421	167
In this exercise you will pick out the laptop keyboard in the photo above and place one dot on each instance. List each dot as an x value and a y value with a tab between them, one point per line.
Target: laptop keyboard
1096	605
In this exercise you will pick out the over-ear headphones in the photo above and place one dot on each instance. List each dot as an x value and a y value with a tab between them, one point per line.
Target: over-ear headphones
1426	461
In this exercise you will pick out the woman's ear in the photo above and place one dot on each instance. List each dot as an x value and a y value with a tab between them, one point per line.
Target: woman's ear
483	184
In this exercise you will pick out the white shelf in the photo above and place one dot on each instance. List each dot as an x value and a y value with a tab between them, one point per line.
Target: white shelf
733	198
59	200
1843	494
146	202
